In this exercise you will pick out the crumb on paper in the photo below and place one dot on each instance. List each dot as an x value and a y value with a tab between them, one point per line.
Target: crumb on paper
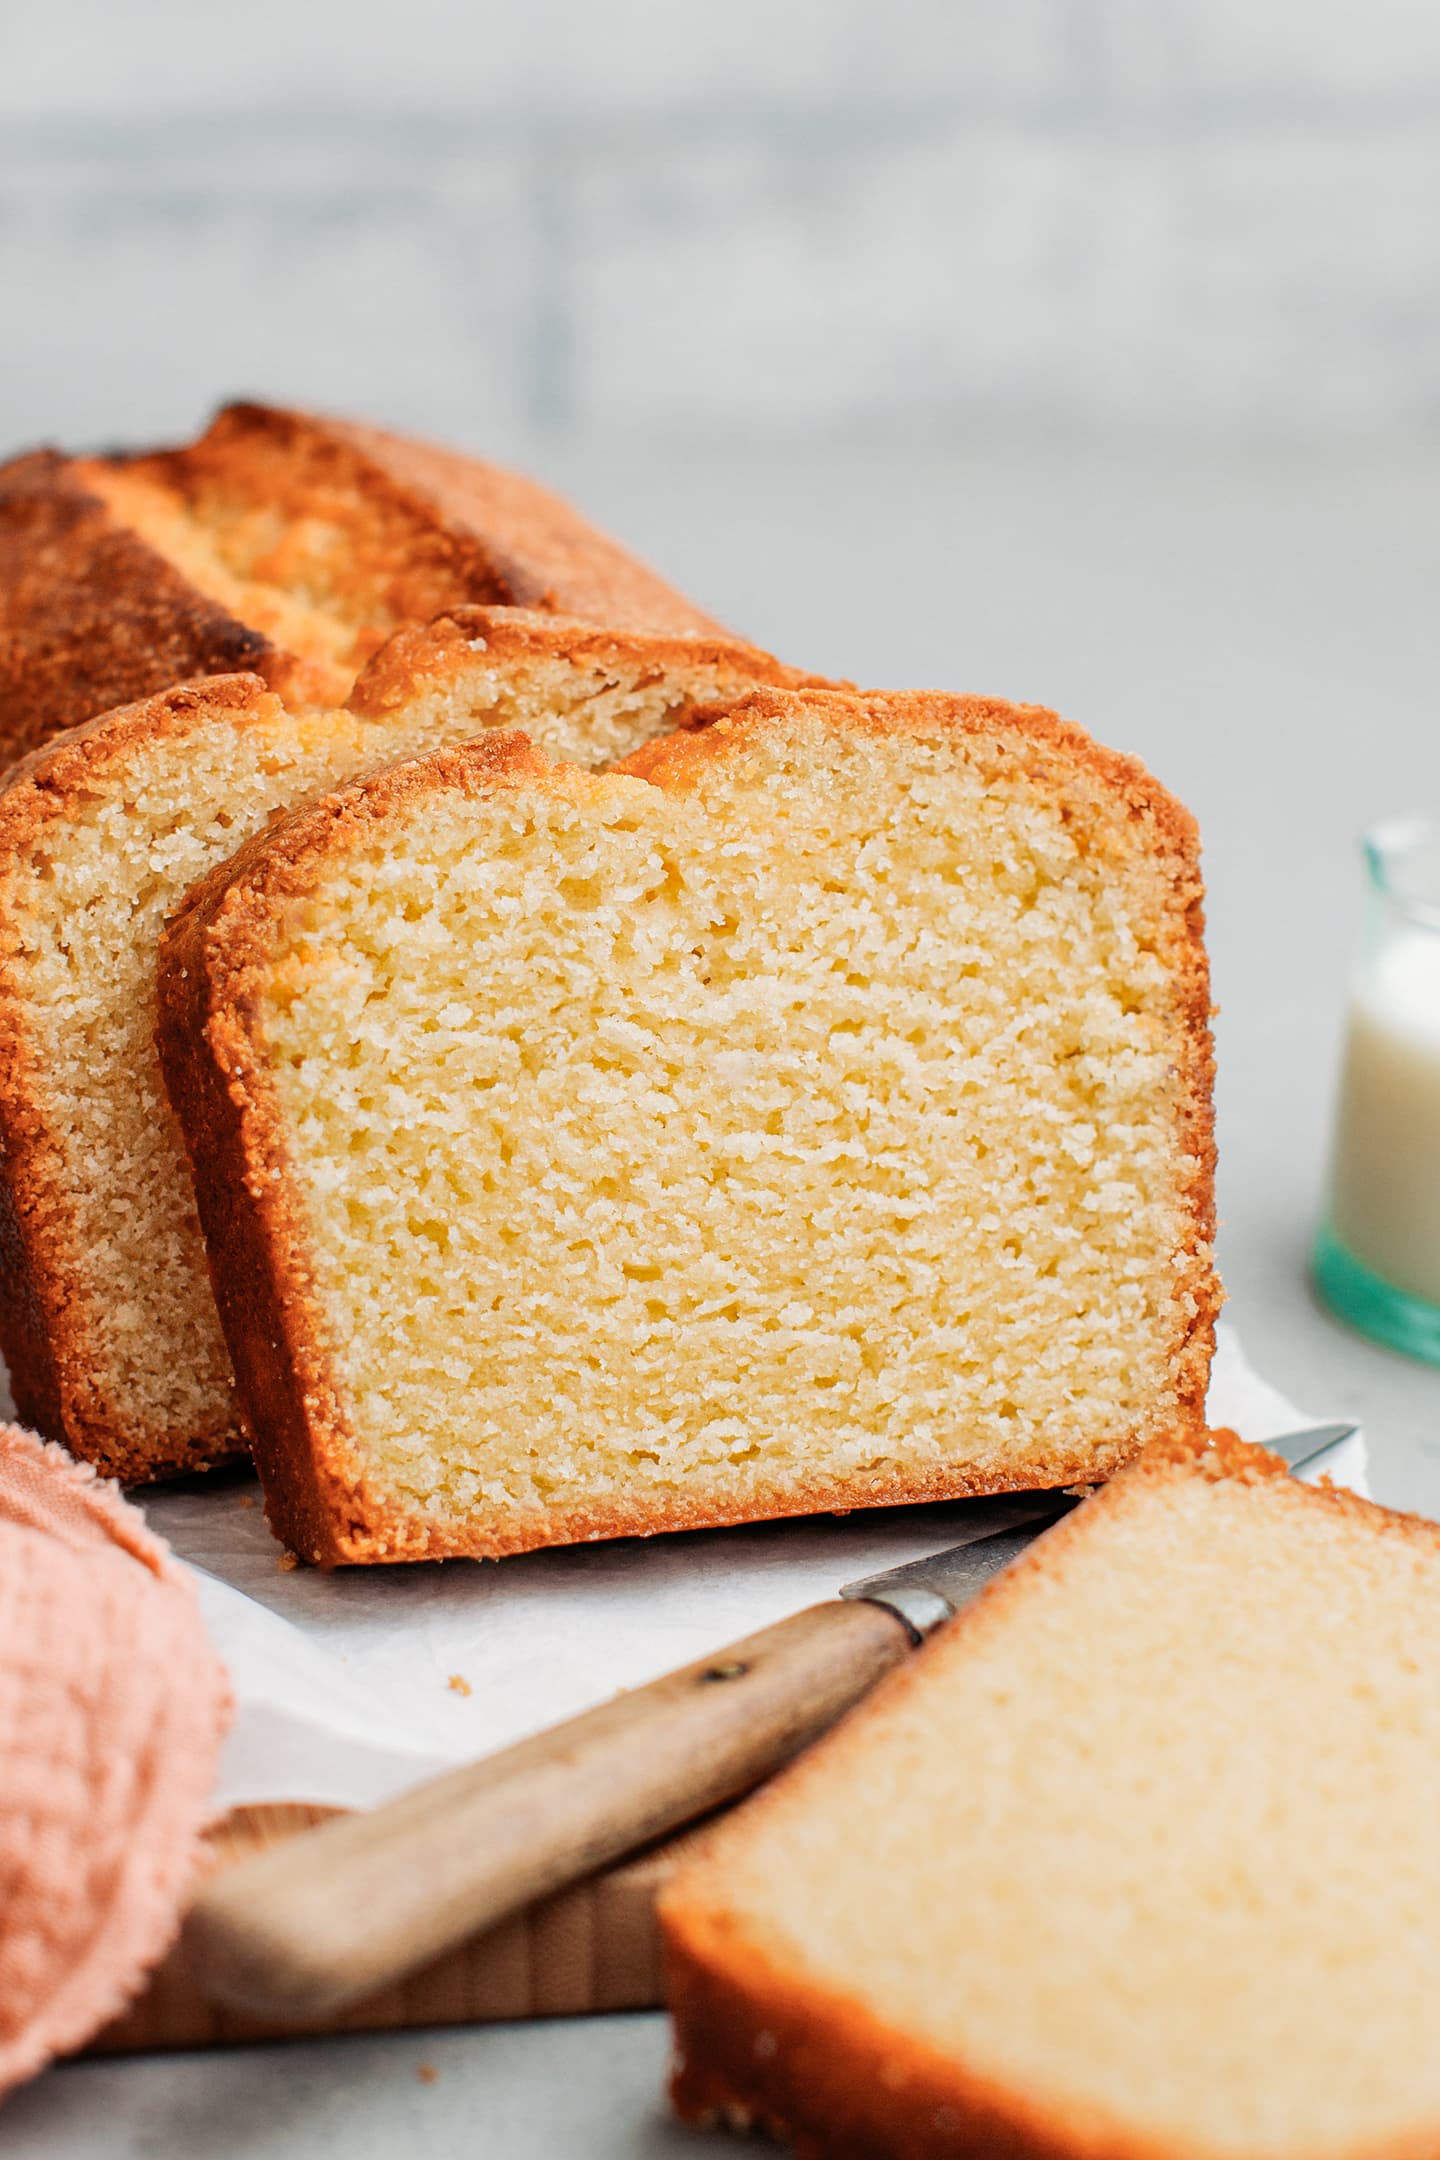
427	2073
247	1499
287	1561
459	1685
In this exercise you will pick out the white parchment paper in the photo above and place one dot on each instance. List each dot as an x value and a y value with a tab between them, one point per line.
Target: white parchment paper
343	1681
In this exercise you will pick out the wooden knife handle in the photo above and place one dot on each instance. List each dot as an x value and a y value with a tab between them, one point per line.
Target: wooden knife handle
329	1916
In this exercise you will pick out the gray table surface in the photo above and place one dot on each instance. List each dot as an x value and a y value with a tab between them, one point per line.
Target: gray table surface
1262	629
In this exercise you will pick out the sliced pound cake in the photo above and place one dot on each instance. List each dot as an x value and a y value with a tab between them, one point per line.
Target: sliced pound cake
811	1113
106	1314
1137	1857
281	543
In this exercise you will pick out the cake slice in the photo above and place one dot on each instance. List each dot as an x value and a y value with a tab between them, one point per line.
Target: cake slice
812	1112
281	543
107	1320
1139	1856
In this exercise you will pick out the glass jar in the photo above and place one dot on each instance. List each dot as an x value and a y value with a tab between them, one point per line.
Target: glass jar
1377	1259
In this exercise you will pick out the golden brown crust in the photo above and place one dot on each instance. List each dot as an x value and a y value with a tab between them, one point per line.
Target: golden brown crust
537	551
211	963
435	654
428	529
758	2041
90	616
45	1331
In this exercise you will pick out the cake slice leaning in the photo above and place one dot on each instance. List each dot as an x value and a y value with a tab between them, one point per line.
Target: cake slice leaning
811	1112
107	1320
1138	1857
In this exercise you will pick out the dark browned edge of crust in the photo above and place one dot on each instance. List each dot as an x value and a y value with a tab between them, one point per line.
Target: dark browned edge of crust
426	656
43	1331
758	2041
91	616
546	554
316	1497
508	541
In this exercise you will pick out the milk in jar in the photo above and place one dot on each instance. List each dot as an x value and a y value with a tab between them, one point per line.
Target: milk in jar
1385	1179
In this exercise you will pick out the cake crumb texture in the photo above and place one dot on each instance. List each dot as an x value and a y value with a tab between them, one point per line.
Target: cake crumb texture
107	1318
811	1111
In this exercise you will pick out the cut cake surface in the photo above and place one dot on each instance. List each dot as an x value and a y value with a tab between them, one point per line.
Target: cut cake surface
107	1319
811	1113
1138	1857
281	543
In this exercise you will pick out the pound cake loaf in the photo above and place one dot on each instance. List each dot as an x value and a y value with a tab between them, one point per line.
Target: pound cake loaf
810	1112
278	543
107	1320
1137	1857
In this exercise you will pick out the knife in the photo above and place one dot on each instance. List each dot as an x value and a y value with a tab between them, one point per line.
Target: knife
326	1917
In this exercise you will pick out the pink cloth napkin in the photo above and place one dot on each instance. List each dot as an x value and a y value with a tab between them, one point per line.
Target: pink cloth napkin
112	1709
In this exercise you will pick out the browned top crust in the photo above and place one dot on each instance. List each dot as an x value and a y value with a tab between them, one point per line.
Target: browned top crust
431	655
48	781
90	615
93	616
472	532
539	551
670	760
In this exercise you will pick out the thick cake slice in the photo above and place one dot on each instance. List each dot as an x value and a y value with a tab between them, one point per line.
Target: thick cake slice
812	1113
107	1320
1138	1857
281	543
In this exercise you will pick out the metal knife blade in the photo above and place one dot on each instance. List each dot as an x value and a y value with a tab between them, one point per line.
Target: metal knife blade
1301	1450
924	1593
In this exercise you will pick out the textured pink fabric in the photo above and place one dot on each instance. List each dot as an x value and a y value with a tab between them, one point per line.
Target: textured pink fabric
112	1709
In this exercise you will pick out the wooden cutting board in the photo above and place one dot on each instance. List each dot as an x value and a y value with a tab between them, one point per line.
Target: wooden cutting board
594	1947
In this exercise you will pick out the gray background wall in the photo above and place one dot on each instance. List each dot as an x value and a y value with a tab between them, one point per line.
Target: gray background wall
566	221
